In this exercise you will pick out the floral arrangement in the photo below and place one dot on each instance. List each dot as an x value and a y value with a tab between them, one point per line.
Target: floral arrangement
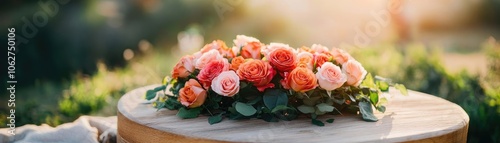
270	82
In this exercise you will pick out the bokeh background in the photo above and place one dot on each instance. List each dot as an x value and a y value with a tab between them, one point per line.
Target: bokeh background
81	58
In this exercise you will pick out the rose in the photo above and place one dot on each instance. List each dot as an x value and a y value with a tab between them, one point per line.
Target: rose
236	62
305	49
330	77
252	50
242	40
212	55
258	72
212	70
319	59
340	56
273	46
226	84
317	48
184	67
283	59
192	95
354	71
219	46
305	60
300	80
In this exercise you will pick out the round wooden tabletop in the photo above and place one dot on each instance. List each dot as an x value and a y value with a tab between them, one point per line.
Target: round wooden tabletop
418	117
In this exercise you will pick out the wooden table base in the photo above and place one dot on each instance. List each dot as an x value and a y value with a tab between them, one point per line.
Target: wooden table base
415	118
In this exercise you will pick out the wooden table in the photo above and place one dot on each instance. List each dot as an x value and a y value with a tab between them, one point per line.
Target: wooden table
418	117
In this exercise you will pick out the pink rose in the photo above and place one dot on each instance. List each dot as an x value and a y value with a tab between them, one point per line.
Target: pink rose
354	71
319	48
330	77
226	84
340	56
212	55
242	40
212	70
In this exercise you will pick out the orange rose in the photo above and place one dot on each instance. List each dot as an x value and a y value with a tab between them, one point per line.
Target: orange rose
252	50
219	46
258	72
300	80
212	70
283	59
192	95
184	67
236	62
320	59
305	60
340	56
354	71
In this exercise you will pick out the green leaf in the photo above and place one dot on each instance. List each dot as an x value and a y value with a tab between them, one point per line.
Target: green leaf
381	108
159	105
185	113
317	122
374	97
150	94
285	113
245	109
323	107
306	109
275	97
254	101
330	120
279	108
243	84
366	110
401	89
369	82
311	101
383	86
215	119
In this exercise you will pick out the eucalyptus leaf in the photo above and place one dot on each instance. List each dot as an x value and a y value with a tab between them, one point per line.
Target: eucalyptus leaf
215	119
330	120
306	109
401	89
159	105
366	110
275	97
189	113
323	107
279	108
245	109
317	122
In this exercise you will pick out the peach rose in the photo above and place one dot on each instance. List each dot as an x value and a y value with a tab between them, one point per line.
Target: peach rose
219	46
212	55
300	80
236	62
319	59
340	56
283	59
258	72
212	70
242	40
266	50
192	95
330	77
252	50
305	49
184	67
226	84
306	60
354	71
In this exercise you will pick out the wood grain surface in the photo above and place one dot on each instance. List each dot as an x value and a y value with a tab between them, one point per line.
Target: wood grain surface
418	117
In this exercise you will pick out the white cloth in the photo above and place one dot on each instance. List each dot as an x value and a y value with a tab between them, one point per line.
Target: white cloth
86	129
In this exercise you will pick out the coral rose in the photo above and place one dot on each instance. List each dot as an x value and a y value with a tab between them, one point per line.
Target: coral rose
184	67
330	77
212	55
283	59
354	71
319	59
300	80
226	84
236	62
266	50
340	56
252	50
258	72
192	95
212	70
219	46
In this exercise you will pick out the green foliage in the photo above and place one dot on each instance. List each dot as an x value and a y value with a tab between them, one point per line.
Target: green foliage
215	119
317	122
330	120
275	97
186	113
245	109
366	110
